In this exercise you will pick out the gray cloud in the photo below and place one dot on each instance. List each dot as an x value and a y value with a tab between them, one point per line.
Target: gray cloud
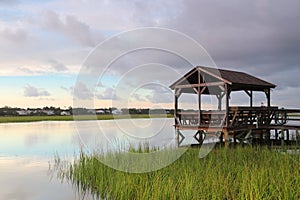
66	89
82	92
15	35
58	66
249	33
9	2
70	26
107	94
31	91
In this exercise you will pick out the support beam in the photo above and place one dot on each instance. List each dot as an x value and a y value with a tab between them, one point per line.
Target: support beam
250	94
251	98
199	136
201	91
176	106
282	137
227	94
180	137
199	98
200	85
178	92
226	139
268	95
220	97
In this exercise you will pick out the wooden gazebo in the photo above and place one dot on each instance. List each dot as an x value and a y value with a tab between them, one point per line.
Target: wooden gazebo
228	121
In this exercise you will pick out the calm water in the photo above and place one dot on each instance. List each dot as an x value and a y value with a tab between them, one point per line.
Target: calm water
27	151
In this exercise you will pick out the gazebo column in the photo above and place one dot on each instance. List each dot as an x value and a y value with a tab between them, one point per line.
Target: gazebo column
268	95
199	98
175	106
250	94
199	106
220	98
251	98
227	94
176	98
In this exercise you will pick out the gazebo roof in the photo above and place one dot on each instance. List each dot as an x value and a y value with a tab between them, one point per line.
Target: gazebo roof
235	79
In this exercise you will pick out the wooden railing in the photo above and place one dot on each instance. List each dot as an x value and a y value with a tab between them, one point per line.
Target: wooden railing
236	117
251	116
212	118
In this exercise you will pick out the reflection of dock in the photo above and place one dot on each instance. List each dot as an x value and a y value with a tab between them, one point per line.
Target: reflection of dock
264	124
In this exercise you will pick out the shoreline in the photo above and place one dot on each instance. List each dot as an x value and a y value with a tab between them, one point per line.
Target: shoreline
19	119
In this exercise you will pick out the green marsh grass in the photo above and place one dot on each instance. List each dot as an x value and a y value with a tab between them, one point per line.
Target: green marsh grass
240	173
14	119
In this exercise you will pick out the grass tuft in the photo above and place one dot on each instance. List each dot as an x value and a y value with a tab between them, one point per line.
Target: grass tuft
241	173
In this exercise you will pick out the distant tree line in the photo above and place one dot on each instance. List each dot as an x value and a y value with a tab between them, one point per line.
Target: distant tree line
9	111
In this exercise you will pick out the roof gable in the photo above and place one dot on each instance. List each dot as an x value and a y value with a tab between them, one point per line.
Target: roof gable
237	79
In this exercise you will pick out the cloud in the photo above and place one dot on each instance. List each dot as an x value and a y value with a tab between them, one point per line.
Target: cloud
107	94
258	37
57	66
70	26
9	2
66	89
82	92
249	35
31	91
15	35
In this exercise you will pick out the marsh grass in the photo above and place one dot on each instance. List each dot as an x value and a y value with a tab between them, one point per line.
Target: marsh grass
14	119
241	173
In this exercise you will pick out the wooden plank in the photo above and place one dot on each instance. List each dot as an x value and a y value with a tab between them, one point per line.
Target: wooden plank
217	77
199	85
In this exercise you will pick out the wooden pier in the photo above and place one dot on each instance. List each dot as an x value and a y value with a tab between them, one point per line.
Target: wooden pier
243	124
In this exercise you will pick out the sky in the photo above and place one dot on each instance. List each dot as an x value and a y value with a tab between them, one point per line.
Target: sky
94	53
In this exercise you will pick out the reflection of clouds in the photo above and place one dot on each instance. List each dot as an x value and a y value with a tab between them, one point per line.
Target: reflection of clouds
112	135
26	179
38	138
35	139
46	138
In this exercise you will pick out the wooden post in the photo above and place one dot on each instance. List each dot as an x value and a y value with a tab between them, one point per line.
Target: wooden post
297	138
226	139
199	99
251	98
221	138
227	93
282	137
268	95
276	135
177	136
287	137
250	94
219	97
176	106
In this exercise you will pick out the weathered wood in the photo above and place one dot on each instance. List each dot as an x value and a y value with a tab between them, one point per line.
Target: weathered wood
226	139
199	98
282	137
200	85
268	95
258	121
176	106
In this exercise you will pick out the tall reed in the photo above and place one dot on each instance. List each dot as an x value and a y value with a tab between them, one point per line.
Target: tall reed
240	173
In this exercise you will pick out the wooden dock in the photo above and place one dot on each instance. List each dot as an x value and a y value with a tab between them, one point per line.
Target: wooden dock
243	124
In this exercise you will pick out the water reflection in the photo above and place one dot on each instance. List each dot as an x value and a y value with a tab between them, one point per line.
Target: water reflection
26	149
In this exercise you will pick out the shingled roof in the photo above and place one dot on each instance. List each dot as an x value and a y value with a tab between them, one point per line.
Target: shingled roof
236	79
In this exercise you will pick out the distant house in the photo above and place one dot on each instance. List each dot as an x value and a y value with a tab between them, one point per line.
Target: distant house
22	112
100	112
91	111
49	112
65	113
116	112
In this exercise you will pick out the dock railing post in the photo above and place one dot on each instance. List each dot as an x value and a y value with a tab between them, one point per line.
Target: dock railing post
282	138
